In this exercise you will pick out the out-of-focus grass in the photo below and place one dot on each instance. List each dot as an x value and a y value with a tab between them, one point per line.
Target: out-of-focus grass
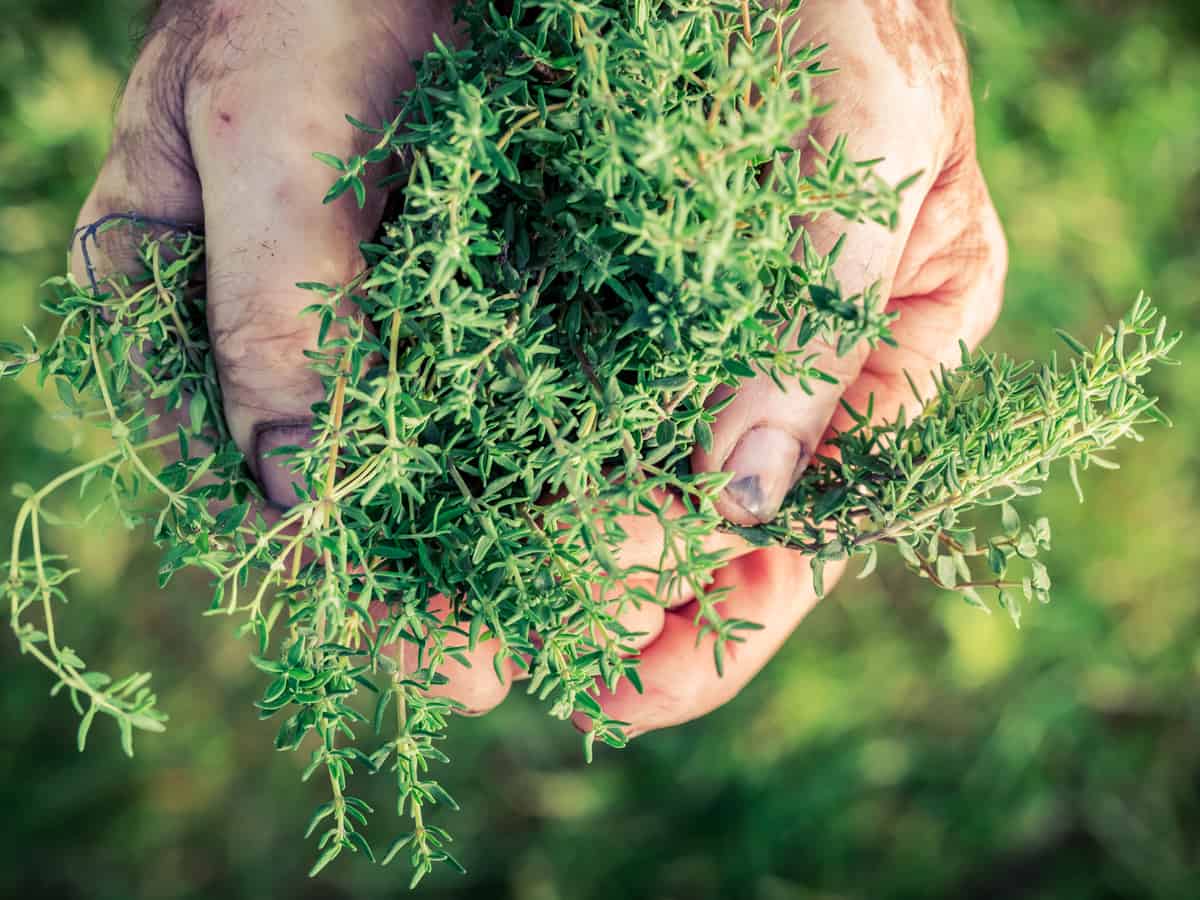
902	745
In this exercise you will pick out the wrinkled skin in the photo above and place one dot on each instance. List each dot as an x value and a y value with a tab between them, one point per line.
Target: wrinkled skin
229	99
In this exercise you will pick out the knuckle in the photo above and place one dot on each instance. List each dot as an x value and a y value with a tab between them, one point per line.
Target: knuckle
202	41
260	341
154	94
149	168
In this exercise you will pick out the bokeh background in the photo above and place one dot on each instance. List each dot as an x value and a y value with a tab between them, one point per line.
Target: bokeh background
902	745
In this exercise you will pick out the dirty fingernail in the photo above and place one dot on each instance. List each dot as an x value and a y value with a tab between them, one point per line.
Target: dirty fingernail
764	465
275	471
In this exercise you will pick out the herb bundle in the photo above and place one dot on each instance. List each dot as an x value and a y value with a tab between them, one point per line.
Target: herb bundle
595	228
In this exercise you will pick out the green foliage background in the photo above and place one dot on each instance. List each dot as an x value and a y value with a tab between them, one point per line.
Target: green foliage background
902	744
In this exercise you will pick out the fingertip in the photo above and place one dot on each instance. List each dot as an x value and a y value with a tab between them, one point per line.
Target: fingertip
476	686
275	470
764	464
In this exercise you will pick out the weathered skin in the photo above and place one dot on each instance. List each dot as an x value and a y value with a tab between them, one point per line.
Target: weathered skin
230	97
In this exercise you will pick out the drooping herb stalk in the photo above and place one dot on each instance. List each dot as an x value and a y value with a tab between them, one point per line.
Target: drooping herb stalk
596	229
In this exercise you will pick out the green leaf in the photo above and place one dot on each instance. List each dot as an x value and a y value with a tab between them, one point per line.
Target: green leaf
329	855
1074	470
971	598
360	844
818	576
339	187
947	571
997	560
323	811
1013	607
334	162
85	725
126	729
1009	520
1041	576
395	847
869	565
65	394
197	410
1071	342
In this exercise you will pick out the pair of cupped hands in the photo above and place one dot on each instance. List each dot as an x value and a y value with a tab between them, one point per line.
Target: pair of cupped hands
230	98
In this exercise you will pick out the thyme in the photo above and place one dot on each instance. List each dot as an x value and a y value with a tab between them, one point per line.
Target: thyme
596	230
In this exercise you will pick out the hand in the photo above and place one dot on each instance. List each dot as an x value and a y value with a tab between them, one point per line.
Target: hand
223	110
902	93
222	113
228	101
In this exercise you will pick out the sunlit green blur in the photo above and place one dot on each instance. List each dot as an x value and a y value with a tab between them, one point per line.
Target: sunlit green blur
902	744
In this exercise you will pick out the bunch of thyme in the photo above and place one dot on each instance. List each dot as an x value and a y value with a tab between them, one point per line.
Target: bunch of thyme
595	229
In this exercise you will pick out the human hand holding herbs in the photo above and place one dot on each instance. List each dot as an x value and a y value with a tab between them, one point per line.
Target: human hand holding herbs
551	428
254	88
901	93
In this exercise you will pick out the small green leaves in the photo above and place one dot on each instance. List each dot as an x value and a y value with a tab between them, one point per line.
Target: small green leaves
345	183
1009	519
582	258
872	560
330	160
989	438
1071	342
198	412
947	571
328	855
85	725
126	736
395	847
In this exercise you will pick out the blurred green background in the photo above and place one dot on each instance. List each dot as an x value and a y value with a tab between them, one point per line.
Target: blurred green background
902	745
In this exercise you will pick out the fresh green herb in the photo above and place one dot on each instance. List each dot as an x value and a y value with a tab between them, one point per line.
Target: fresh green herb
596	230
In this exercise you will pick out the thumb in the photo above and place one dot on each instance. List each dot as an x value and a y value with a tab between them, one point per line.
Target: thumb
267	229
766	436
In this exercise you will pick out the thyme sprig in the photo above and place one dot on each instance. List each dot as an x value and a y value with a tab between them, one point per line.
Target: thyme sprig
595	229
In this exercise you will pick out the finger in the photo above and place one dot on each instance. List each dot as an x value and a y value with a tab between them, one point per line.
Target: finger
653	552
267	229
680	682
640	620
767	434
655	571
949	289
146	185
148	171
471	673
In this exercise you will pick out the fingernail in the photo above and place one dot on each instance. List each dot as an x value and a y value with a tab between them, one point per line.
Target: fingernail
765	463
275	476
